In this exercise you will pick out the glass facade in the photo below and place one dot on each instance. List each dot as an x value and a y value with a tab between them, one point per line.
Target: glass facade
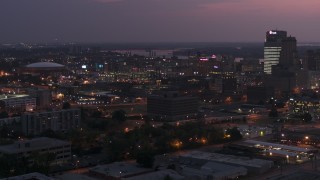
271	57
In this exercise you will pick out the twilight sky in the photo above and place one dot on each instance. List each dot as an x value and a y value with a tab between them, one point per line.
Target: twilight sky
156	20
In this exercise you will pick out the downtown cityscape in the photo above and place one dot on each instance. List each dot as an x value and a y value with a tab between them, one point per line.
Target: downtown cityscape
167	106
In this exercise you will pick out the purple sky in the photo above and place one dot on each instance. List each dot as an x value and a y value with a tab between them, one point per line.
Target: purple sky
156	20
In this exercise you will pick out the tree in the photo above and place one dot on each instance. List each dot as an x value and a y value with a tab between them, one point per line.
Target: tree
42	161
66	105
306	117
4	114
234	133
11	165
76	83
4	131
215	135
167	177
261	102
145	157
273	113
171	166
244	119
96	114
119	116
117	148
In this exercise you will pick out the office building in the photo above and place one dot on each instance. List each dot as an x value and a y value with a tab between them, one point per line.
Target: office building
34	123
229	84
282	82
251	66
43	97
9	121
312	60
259	94
279	49
170	106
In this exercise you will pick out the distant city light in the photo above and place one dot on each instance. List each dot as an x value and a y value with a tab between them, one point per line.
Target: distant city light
204	59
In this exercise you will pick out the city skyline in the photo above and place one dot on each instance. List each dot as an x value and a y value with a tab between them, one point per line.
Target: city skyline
121	21
197	111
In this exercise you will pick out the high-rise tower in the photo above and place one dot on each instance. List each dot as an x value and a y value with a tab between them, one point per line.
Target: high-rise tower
279	49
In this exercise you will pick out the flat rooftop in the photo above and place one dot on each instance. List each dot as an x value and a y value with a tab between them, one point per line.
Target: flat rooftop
12	96
32	145
31	176
282	152
297	175
282	146
216	169
236	160
74	176
119	169
156	175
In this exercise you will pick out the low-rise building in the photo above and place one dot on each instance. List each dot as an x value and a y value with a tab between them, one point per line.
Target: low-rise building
161	174
293	154
213	170
25	148
10	121
30	176
17	102
119	170
253	166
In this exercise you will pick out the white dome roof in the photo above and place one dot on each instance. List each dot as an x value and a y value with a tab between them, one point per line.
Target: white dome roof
45	65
